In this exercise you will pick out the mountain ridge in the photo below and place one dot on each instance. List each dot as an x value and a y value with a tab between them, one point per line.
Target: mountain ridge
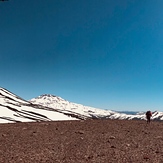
49	107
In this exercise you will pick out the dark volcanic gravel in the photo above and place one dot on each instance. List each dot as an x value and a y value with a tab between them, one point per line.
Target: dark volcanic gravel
98	141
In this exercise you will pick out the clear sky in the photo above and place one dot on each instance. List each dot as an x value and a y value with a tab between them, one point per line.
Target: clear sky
101	53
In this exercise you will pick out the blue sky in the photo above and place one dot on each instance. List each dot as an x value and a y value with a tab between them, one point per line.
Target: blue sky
101	53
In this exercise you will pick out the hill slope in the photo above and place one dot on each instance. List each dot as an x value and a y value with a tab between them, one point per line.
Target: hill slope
15	109
51	108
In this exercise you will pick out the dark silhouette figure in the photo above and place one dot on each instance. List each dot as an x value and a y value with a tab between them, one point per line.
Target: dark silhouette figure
148	116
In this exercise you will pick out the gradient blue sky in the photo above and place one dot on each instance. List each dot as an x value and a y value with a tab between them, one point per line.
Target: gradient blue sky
101	53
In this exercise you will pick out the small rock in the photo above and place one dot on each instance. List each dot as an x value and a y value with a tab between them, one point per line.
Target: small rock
90	157
146	157
24	128
127	145
79	132
112	137
4	135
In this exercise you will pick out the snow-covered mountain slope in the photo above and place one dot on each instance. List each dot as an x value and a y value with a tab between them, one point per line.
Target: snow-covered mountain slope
52	108
16	109
65	106
58	103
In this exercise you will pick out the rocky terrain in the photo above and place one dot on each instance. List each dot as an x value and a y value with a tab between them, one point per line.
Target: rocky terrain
81	141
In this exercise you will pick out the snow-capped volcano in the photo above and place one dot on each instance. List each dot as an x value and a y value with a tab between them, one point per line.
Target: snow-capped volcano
58	103
51	108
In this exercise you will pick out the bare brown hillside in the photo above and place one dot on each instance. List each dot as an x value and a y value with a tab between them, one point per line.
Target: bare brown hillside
92	141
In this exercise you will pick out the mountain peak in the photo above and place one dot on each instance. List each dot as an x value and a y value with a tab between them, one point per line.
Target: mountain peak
46	95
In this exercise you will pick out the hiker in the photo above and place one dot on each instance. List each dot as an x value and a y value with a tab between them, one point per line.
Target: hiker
148	116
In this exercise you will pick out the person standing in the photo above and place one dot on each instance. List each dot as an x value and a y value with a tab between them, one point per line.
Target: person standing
148	116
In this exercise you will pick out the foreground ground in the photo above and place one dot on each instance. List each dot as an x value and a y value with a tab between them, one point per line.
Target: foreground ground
97	141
